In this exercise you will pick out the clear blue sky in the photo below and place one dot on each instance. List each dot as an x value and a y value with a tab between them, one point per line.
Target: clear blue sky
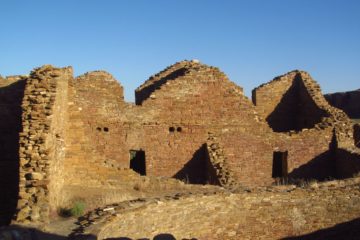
251	41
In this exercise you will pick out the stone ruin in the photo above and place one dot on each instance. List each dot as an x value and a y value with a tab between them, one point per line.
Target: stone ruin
189	122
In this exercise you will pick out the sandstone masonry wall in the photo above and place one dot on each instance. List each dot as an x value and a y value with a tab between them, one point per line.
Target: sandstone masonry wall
79	136
289	103
56	138
171	133
95	100
40	154
315	123
218	105
221	173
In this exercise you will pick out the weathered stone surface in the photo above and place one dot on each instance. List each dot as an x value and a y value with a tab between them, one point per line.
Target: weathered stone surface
262	213
34	175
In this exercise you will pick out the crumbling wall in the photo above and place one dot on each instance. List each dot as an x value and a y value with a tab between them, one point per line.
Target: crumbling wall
287	102
11	95
165	127
293	104
199	100
40	143
219	172
78	133
178	107
283	212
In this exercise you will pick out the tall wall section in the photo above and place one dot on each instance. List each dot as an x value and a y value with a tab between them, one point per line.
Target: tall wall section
311	129
179	106
41	143
95	137
176	110
287	104
189	100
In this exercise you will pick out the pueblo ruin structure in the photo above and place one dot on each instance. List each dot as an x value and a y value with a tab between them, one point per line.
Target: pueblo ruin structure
61	134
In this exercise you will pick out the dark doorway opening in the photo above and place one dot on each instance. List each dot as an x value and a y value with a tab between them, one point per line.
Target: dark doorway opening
137	161
280	164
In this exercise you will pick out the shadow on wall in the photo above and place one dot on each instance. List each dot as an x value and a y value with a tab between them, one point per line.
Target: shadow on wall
347	163
296	110
195	170
321	168
199	169
335	163
146	92
10	126
348	230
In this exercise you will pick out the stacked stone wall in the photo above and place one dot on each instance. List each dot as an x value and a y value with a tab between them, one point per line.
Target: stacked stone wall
41	134
267	96
219	171
217	105
249	156
56	138
289	102
169	132
77	134
95	102
315	123
309	154
283	212
172	134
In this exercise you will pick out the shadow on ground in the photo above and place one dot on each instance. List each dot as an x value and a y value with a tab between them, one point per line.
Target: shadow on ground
15	232
162	236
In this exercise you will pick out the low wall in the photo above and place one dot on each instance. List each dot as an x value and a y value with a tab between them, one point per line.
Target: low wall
271	213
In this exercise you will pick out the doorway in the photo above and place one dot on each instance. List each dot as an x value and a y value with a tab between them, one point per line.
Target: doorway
137	161
280	164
